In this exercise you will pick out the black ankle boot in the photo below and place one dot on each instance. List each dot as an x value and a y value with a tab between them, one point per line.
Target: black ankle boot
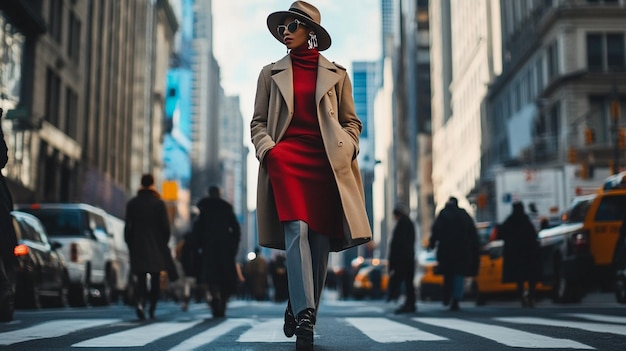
304	330
289	328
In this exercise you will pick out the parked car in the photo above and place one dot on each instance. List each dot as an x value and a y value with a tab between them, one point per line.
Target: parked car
119	258
578	254
86	239
488	282
41	277
371	279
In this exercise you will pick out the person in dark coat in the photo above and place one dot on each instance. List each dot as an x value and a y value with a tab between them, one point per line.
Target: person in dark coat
520	253
278	270
402	260
147	233
257	272
8	239
455	236
218	233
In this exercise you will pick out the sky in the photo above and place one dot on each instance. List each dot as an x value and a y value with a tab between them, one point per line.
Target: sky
243	45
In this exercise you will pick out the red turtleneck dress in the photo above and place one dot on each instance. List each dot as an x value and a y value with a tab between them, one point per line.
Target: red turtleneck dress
302	180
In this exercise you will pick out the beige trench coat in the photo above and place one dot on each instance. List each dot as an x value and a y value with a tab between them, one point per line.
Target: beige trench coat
340	128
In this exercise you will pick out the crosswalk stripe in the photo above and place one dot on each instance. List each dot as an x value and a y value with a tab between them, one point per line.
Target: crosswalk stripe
599	317
211	334
51	329
593	327
503	335
383	330
270	330
138	336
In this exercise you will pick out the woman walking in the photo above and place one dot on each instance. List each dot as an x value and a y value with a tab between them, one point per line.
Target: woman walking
306	134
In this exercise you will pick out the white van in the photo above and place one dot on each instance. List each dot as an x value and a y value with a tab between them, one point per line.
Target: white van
86	244
120	260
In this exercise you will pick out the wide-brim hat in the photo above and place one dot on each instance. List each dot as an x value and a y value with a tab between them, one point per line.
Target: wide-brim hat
306	13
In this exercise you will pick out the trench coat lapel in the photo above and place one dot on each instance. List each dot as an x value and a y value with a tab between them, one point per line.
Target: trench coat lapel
327	77
284	81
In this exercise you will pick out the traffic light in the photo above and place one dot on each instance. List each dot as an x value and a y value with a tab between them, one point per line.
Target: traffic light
584	171
615	109
589	137
621	138
571	155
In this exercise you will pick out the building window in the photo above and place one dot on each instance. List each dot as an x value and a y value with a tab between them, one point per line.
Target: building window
553	61
71	113
73	38
615	57
53	94
55	19
598	119
606	52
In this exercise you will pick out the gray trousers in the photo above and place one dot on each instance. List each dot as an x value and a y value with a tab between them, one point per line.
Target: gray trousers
307	261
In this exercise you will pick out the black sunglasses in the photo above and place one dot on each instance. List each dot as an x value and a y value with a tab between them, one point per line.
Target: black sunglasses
291	27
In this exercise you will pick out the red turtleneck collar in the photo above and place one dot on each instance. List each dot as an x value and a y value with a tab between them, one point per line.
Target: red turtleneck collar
304	56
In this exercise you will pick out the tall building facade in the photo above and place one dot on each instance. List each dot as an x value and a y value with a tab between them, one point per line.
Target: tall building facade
465	37
204	144
564	66
177	144
366	82
415	97
233	155
90	110
205	100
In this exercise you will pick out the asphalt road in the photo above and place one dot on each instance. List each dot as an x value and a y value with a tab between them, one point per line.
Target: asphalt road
596	323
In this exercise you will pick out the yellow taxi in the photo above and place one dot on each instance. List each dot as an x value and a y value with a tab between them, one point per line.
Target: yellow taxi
371	279
578	254
430	281
488	282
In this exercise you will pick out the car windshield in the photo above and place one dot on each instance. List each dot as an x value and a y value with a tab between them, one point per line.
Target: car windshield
611	208
59	222
577	212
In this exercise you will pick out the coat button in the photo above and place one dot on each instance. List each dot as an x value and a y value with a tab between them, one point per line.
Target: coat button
330	93
332	113
340	143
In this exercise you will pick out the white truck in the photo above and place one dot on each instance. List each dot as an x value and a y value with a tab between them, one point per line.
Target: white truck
545	191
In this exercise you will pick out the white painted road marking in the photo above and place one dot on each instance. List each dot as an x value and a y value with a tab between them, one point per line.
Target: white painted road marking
503	335
599	317
383	330
139	336
211	334
51	329
270	330
593	327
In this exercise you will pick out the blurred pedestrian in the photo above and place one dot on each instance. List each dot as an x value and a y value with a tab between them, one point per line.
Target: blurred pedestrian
455	237
402	261
278	271
8	239
147	233
520	254
305	130
217	232
257	272
187	253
